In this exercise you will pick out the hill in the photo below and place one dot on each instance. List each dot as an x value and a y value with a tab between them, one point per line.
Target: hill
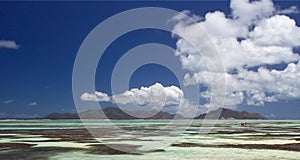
231	114
56	115
110	113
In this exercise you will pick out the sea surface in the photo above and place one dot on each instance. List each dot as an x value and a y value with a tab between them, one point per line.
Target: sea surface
150	139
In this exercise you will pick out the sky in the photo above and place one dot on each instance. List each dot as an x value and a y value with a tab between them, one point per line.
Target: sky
39	42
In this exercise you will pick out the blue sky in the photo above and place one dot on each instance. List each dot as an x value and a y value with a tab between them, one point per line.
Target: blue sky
36	76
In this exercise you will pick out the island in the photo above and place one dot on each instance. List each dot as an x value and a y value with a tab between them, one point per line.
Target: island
118	114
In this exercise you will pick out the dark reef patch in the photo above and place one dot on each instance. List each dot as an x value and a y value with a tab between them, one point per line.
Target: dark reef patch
9	146
113	149
288	147
35	153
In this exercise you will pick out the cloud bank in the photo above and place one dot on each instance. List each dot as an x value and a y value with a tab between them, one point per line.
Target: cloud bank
251	41
156	93
155	97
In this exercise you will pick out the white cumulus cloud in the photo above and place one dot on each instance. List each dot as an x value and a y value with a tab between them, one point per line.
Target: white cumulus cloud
279	30
250	41
250	12
157	94
96	96
155	97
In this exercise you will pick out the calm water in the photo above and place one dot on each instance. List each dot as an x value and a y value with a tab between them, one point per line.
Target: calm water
157	139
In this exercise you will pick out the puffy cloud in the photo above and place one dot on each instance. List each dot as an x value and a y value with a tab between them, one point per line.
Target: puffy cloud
213	21
278	30
96	96
155	97
33	104
254	37
8	44
287	82
155	94
257	98
250	12
8	101
257	55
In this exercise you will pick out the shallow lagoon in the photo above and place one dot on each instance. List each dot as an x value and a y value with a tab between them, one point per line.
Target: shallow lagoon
149	139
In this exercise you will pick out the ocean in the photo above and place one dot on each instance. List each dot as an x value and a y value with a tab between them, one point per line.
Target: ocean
150	139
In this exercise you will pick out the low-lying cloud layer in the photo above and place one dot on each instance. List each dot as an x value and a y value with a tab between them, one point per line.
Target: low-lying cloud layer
158	94
155	97
251	41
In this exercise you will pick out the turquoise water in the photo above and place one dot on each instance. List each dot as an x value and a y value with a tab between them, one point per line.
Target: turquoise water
149	139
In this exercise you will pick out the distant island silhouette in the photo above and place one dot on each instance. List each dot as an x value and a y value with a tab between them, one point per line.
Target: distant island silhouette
118	114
